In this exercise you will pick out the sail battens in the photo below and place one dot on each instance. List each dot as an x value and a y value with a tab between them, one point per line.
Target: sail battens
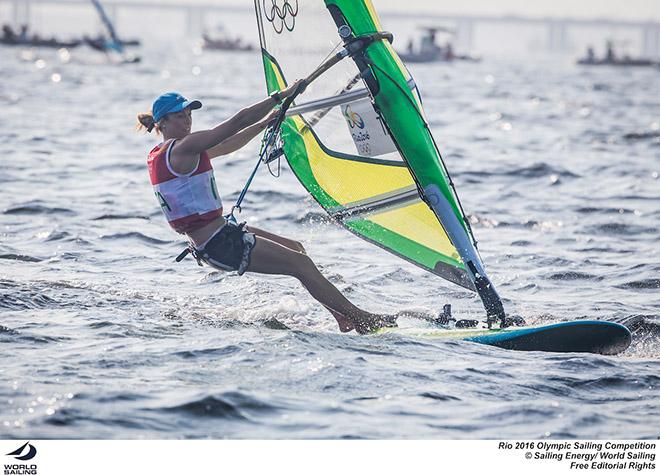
376	204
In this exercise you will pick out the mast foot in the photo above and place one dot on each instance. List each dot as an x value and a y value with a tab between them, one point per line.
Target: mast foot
491	300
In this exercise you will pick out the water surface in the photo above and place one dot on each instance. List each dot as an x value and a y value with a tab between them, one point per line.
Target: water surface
104	336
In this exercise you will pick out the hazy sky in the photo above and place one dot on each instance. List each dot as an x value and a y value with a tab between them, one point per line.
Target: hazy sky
638	9
611	9
620	9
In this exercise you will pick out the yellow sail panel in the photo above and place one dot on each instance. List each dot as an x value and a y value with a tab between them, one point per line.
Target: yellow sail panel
350	180
417	223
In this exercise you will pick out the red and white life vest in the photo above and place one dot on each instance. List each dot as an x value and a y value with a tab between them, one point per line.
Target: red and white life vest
190	201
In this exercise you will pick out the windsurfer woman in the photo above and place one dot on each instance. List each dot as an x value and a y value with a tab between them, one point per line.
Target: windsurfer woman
181	173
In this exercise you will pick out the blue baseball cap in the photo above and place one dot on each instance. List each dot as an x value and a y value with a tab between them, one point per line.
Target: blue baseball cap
171	102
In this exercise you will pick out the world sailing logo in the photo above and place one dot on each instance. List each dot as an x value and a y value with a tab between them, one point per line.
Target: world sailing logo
282	15
32	451
353	118
22	454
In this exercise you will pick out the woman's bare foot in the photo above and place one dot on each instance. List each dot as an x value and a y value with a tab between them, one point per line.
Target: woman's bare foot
363	325
373	323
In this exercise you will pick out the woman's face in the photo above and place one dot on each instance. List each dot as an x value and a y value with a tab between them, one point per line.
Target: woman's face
177	124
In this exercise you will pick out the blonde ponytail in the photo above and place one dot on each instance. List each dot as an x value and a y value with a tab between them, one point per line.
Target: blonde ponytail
146	122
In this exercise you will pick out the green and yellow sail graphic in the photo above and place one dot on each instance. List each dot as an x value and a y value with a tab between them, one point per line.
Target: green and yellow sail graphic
378	171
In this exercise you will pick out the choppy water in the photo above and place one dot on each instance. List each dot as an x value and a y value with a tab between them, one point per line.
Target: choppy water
103	336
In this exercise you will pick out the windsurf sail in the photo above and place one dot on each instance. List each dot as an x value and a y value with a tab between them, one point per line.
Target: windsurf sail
114	43
358	140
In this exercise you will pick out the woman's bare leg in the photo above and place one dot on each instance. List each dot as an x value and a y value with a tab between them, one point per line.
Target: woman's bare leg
286	242
270	257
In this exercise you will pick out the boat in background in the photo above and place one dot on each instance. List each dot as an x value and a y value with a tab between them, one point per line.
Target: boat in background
612	59
223	42
429	51
23	38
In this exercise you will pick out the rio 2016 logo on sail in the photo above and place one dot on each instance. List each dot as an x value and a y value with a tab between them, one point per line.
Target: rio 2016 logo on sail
282	15
353	118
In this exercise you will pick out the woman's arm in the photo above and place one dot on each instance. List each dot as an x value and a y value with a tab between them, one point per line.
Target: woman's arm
194	144
240	139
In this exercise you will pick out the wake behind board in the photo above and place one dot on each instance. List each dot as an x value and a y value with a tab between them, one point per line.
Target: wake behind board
581	336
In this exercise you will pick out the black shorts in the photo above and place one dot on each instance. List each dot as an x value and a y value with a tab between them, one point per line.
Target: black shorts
229	249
